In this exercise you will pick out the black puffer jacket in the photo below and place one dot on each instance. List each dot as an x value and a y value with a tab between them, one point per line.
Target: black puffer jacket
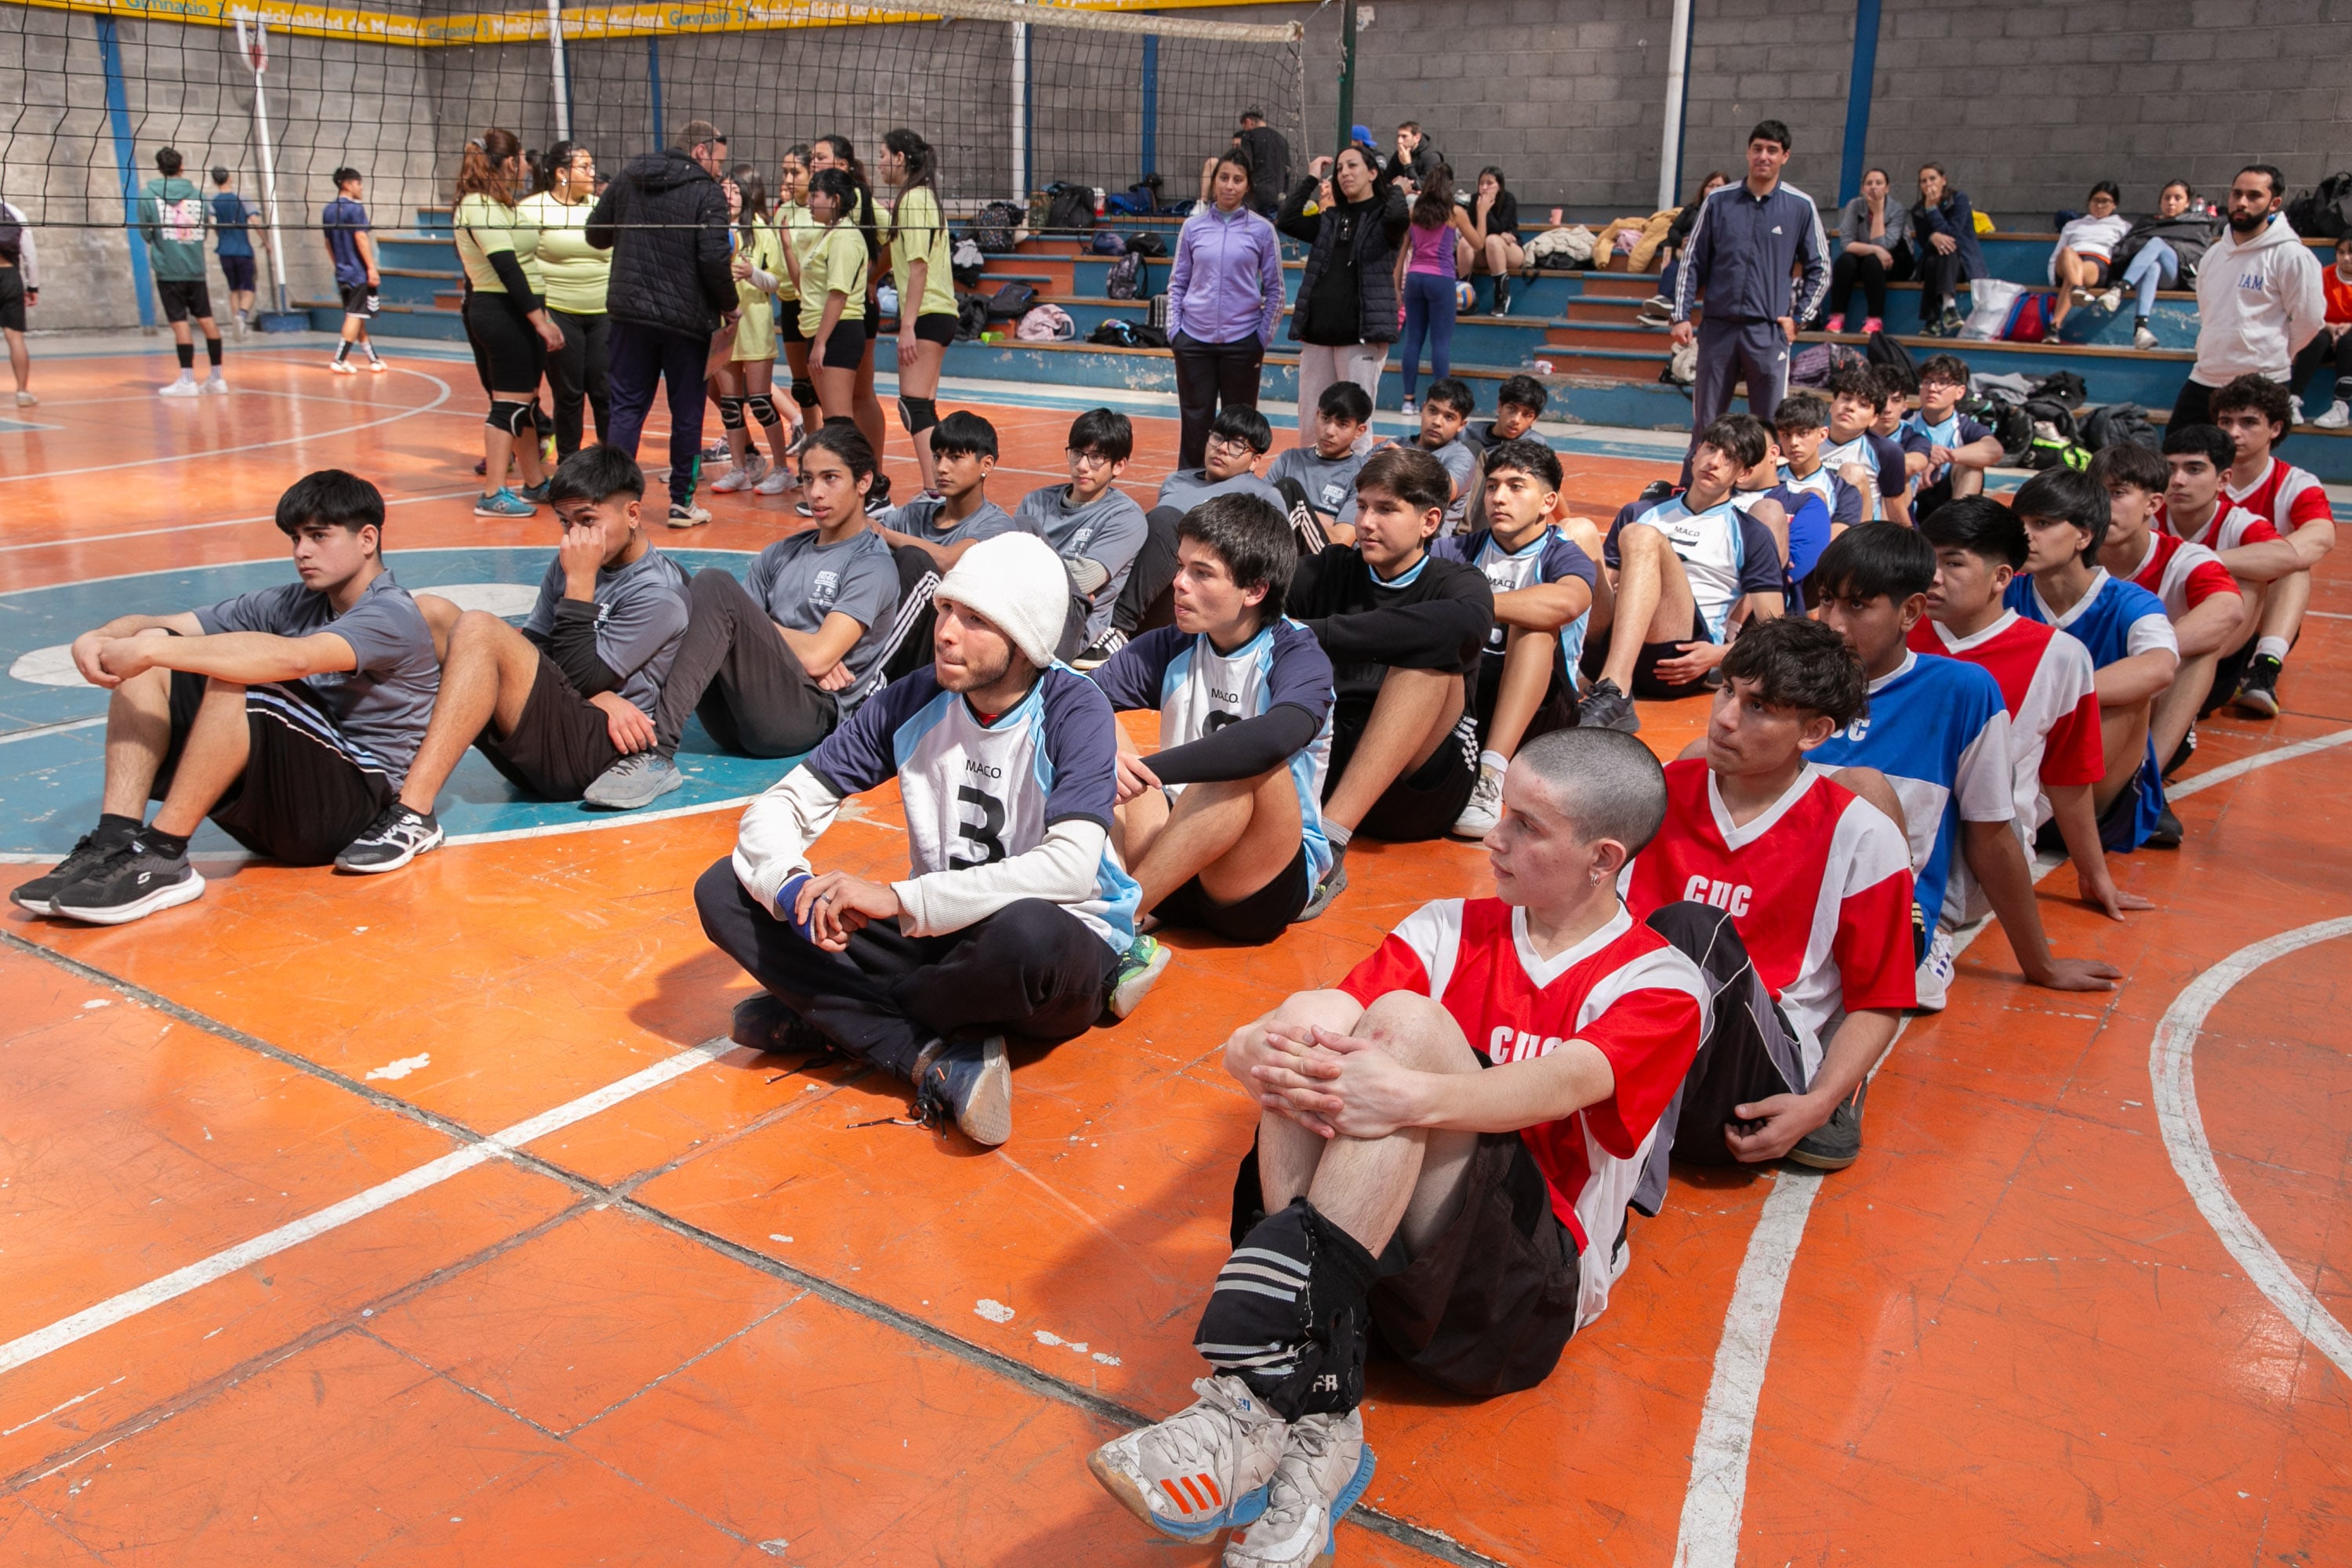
673	278
2188	235
1379	223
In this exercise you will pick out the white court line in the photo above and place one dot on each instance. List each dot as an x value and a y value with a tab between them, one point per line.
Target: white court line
2246	765
2171	1068
441	397
31	1347
192	527
37	730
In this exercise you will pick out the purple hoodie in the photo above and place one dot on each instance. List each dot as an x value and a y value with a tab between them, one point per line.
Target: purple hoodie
1226	282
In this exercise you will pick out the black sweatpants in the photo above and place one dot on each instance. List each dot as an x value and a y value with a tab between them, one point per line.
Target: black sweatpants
2323	353
1032	970
907	646
576	374
2193	406
1144	600
1210	376
736	673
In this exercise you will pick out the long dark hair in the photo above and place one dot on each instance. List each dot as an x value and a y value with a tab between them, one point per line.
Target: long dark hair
753	186
557	157
836	183
1239	160
1434	207
482	173
922	164
861	208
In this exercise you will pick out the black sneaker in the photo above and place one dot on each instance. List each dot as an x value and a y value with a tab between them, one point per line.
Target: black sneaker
969	1085
88	851
1104	648
1656	489
1837	1143
877	497
1502	295
2165	834
133	881
1607	708
396	836
764	1023
2258	693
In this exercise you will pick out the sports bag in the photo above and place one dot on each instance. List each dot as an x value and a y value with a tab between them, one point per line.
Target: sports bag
966	261
996	227
1010	301
1126	280
2323	212
2119	424
1893	362
1070	209
1106	242
971	317
1047	325
1143	242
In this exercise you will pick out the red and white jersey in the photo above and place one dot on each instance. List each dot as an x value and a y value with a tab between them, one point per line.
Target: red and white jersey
2229	528
1624	990
2183	573
2052	692
1818	888
2285	497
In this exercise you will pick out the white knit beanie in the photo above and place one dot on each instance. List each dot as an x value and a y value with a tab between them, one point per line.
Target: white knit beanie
1017	582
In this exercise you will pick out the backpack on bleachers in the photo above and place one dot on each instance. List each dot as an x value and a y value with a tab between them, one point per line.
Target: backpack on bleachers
1070	209
1893	362
1010	301
1816	362
996	227
2323	212
1119	333
1143	242
2121	423
966	261
1106	242
1128	279
2061	386
2008	421
2054	445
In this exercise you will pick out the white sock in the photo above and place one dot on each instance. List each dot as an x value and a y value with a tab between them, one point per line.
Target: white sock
1336	836
1495	759
2271	647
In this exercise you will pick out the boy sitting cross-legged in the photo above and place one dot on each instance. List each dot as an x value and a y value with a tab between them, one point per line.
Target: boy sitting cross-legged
1222	827
1446	1145
1944	451
1938	731
2256	413
1445	413
1543	589
2045	678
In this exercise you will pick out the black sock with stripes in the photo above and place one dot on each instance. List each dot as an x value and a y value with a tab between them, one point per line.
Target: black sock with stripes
1288	1315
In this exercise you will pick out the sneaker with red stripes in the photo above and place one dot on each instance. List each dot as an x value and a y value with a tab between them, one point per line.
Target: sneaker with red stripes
1203	1470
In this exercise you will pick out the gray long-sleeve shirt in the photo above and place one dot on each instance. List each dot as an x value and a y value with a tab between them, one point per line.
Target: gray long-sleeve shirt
1745	249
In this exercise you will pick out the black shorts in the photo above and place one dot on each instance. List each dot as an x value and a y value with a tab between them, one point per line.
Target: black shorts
12	299
306	791
846	350
1647	686
359	300
1488	1305
2229	670
237	271
873	318
185	298
935	327
787	323
2098	269
1422	804
560	744
1252	921
510	354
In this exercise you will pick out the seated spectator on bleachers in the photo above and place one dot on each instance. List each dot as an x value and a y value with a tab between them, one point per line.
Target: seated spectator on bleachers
1414	160
1944	451
1944	237
1857	453
1093	525
1658	310
2254	411
2196	510
1322	469
1492	243
1686	572
2331	349
2079	265
1874	250
2162	252
2259	298
1518	404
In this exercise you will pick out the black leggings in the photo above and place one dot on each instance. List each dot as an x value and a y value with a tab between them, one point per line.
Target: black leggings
1853	267
507	347
577	376
2318	353
1939	282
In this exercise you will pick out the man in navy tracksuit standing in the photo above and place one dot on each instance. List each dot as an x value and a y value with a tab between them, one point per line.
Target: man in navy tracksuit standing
1750	239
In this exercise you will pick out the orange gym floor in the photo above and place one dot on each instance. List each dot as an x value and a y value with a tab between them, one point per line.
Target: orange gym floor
431	1219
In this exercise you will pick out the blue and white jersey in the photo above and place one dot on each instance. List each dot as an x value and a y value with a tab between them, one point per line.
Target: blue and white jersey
1550	557
975	793
1939	730
1726	554
1953	431
1200	691
1880	457
1844	501
2115	620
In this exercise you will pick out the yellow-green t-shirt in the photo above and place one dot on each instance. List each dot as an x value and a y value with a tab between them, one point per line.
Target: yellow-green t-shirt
763	251
835	262
486	227
572	273
802	231
918	232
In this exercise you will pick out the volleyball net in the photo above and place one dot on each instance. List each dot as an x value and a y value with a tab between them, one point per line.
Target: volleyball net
1010	96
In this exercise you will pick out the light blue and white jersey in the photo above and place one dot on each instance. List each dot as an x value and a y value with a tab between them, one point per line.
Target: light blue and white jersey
1939	730
975	793
1550	557
1881	457
1726	554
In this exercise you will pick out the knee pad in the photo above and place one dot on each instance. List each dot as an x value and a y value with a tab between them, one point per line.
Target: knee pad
805	392
917	414
763	409
514	419
1289	1314
730	412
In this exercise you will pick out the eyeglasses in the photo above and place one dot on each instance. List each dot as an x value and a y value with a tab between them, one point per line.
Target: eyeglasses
1090	459
1233	443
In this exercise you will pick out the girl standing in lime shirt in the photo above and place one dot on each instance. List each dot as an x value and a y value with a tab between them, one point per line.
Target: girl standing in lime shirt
508	326
747	380
799	231
927	304
574	274
831	284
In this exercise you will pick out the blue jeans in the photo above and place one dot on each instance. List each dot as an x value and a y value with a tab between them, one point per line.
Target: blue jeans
1428	313
2156	266
640	357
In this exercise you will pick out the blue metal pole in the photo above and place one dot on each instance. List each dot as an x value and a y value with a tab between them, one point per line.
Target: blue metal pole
126	164
1857	101
653	76
1150	106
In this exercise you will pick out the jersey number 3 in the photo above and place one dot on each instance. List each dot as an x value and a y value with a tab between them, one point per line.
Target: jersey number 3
985	836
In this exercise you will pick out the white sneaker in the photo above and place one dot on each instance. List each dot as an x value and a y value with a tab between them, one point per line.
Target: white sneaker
1325	1468
27	400
2143	340
184	387
778	482
1203	1470
376	364
2294	411
1485	807
2338	415
1935	976
342	367
2111	301
214	382
742	477
688	516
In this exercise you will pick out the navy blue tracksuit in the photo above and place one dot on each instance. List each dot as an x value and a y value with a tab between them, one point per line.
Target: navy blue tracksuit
1743	253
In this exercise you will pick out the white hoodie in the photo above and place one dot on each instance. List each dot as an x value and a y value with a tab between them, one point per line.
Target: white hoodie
2259	300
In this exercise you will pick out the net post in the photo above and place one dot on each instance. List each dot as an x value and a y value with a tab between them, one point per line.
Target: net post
1151	114
269	190
1348	72
1020	192
1669	144
557	74
126	163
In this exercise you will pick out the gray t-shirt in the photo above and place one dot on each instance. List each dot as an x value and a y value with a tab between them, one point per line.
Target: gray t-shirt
1330	483
640	622
1108	530
918	517
381	706
799	582
1462	462
1188	487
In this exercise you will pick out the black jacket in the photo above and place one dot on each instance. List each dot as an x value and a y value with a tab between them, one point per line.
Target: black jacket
673	278
2188	235
1384	218
1438	621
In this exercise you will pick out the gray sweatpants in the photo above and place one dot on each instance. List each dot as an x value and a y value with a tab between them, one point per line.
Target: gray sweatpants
753	697
1728	353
